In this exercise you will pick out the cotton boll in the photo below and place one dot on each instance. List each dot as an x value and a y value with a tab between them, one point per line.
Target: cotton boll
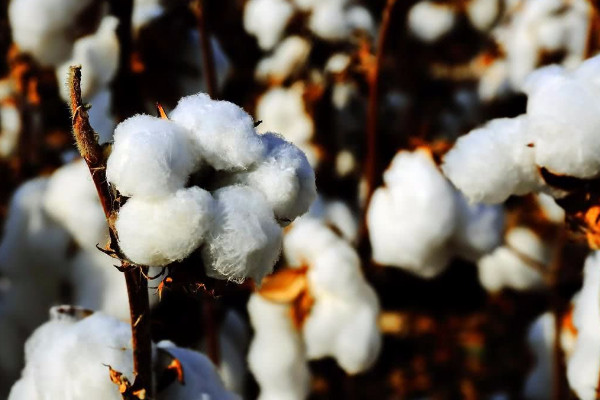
67	358
551	210
98	55
44	28
429	21
517	264
337	63
284	177
289	57
483	13
337	214
583	366
280	370
282	110
244	240
157	232
10	128
201	378
479	228
359	18
327	21
71	199
413	216
564	125
144	11
32	242
98	285
493	162
494	82
151	157
267	19
540	337
222	133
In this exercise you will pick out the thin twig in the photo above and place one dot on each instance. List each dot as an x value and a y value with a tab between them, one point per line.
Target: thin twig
208	63
137	285
372	113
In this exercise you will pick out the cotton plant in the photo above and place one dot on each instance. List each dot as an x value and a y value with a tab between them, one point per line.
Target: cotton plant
418	221
320	306
260	183
330	20
430	21
532	28
99	346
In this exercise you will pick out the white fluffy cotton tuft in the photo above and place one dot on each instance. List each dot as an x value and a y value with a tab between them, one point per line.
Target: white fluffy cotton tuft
151	157
222	133
429	21
156	232
244	240
267	19
287	59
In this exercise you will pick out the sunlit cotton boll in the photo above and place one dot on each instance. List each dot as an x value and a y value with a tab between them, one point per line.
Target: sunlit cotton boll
222	133
284	177
156	232
493	162
66	358
244	240
564	117
287	59
267	19
411	219
71	199
281	371
332	20
482	13
583	366
44	28
98	55
150	157
518	265
429	21
540	338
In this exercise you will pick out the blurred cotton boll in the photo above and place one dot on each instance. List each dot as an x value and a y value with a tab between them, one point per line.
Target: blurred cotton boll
267	19
540	339
429	21
286	60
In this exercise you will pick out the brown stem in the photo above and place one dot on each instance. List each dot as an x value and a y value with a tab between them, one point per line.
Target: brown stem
371	172
208	64
137	285
211	329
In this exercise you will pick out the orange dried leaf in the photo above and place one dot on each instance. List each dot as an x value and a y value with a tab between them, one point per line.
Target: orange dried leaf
176	367
301	309
285	285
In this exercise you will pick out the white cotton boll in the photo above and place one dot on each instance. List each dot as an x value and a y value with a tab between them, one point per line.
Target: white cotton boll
31	241
479	229
429	21
71	199
359	18
66	358
157	232
306	241
337	63
98	285
540	338
583	366
483	13
150	157
289	57
244	240
222	133
589	72
336	213
564	125
100	115
98	55
282	110
144	11
284	177
494	82
493	162
280	369
328	22
551	210
517	264
202	380
267	19
10	128
44	28
411	219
